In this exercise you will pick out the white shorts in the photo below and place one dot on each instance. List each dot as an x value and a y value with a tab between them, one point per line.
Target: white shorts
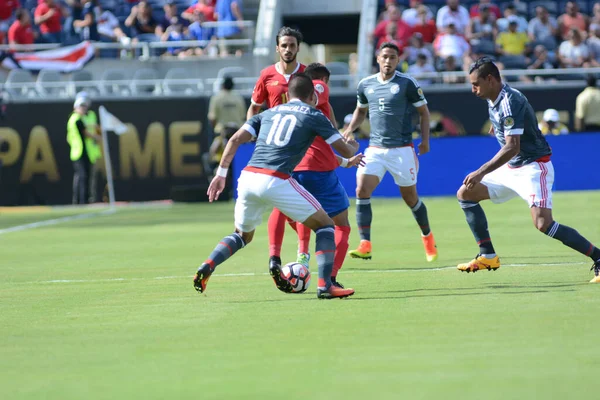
401	162
258	193
531	182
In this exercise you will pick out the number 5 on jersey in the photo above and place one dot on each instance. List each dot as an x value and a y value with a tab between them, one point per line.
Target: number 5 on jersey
276	134
381	104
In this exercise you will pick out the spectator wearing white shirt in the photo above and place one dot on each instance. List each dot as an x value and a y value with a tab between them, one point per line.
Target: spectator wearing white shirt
411	15
109	27
573	53
451	44
454	13
543	28
510	12
416	47
422	65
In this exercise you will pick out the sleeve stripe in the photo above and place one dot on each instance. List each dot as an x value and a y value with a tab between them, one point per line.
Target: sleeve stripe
334	138
361	105
249	129
255	103
513	132
420	103
505	104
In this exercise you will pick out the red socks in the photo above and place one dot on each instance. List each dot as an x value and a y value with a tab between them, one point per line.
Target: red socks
342	234
303	238
276	228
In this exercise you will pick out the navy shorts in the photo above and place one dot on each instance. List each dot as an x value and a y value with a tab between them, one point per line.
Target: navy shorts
326	188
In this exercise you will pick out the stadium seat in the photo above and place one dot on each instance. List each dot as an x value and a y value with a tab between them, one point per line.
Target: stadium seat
114	83
83	81
48	84
233	72
20	84
339	74
138	84
176	82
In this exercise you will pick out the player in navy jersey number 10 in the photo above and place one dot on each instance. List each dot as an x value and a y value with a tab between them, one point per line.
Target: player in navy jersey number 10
283	134
522	168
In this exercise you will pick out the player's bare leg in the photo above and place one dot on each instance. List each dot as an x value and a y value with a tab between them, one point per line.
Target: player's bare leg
227	247
543	221
342	233
411	198
469	201
325	253
366	184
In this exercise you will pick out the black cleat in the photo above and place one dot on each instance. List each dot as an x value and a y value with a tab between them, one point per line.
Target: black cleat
201	278
596	269
275	271
335	283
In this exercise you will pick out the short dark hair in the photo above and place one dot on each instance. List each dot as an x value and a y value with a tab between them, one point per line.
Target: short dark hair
485	66
317	71
301	87
591	80
20	13
287	31
389	45
228	83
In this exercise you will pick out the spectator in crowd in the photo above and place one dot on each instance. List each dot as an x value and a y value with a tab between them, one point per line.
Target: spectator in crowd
593	43
572	19
47	16
229	11
543	29
197	32
512	46
450	44
109	27
595	20
88	25
540	60
411	15
425	25
7	9
175	32
476	9
573	53
21	32
481	31
587	108
206	7
391	35
551	125
453	13
451	65
422	65
141	20
511	12
403	30
416	48
171	16
75	7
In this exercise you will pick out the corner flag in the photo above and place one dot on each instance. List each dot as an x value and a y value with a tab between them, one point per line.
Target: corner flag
109	122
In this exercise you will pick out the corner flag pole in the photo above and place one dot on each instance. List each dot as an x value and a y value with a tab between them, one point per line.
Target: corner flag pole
107	162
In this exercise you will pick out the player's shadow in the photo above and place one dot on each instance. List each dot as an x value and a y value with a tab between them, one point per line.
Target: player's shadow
426	295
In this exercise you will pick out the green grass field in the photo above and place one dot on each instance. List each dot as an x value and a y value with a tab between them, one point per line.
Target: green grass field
104	308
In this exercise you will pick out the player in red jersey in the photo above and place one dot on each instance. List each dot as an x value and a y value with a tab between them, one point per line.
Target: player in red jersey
317	172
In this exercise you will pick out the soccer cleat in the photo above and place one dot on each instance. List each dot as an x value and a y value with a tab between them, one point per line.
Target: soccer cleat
596	269
201	278
303	258
480	262
275	270
335	283
363	251
333	292
430	247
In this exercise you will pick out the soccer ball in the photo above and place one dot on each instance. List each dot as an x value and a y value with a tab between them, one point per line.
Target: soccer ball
298	275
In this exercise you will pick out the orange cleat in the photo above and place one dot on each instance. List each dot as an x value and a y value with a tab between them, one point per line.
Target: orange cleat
480	262
201	278
363	251
334	292
430	247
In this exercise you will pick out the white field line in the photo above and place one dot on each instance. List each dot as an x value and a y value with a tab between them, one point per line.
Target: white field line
55	221
347	272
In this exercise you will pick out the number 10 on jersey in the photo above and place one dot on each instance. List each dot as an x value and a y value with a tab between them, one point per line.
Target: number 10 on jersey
276	135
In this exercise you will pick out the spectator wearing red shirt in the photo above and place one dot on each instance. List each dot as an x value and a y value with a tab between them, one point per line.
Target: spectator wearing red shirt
47	17
403	30
20	31
205	7
494	9
7	8
425	25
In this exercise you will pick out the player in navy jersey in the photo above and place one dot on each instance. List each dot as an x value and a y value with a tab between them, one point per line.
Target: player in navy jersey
283	134
522	168
390	97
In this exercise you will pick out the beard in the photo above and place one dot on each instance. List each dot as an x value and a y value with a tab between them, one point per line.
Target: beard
289	60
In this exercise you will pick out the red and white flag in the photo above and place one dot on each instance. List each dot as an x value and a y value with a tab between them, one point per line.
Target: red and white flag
62	59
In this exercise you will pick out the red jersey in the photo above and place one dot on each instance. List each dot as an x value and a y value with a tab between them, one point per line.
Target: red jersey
272	86
19	34
320	156
7	7
52	24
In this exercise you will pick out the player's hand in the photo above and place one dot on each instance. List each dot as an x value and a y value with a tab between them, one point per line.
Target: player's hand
352	143
356	161
423	147
217	185
348	134
473	179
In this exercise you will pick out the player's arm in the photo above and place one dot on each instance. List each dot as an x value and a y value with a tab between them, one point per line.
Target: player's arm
333	120
344	146
360	113
259	95
416	97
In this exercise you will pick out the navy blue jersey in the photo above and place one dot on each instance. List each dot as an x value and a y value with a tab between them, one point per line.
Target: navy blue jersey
391	105
285	132
511	114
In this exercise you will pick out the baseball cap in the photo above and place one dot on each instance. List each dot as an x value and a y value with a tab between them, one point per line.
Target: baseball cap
348	119
81	101
551	115
512	19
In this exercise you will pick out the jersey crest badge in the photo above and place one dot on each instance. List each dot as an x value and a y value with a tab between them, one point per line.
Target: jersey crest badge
420	92
395	88
319	88
509	122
